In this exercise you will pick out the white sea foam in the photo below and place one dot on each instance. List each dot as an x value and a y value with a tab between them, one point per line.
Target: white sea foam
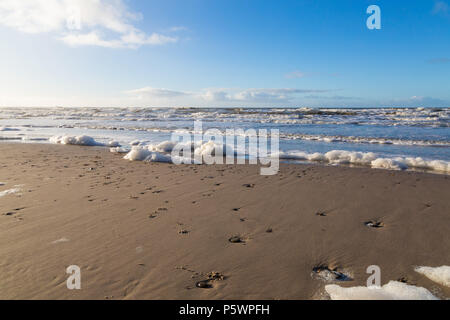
212	148
138	154
439	275
75	140
113	144
394	290
119	150
10	191
82	140
158	152
369	159
161	152
166	146
27	138
144	154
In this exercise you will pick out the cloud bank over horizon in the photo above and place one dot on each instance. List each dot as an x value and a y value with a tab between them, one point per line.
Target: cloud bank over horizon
225	95
266	97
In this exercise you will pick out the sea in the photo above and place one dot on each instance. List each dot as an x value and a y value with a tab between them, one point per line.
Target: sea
389	138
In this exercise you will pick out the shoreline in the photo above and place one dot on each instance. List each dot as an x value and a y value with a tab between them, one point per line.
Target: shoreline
337	157
154	230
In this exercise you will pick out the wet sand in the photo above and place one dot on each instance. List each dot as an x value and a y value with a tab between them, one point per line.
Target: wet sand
158	231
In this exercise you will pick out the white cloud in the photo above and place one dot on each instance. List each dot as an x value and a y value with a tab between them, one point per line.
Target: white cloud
149	96
300	74
105	23
419	101
335	97
296	74
149	92
256	95
178	28
441	7
246	96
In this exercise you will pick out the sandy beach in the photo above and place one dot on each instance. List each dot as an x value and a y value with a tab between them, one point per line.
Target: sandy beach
155	231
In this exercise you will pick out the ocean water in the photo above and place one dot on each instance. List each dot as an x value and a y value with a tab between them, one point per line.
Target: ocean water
408	137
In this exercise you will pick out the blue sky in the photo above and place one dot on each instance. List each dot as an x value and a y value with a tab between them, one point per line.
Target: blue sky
224	53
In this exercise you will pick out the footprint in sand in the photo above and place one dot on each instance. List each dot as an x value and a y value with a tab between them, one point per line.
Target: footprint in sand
324	273
236	239
374	224
406	280
11	213
204	284
211	278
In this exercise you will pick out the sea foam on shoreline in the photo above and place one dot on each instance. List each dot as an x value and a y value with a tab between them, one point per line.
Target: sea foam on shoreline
161	153
394	290
440	275
369	159
82	140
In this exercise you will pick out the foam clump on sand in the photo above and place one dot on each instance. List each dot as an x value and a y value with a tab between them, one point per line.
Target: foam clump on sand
439	275
75	140
394	290
212	148
113	144
9	191
82	140
161	152
144	154
166	146
369	159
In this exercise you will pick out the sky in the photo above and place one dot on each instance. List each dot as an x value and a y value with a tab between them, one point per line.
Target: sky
224	53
